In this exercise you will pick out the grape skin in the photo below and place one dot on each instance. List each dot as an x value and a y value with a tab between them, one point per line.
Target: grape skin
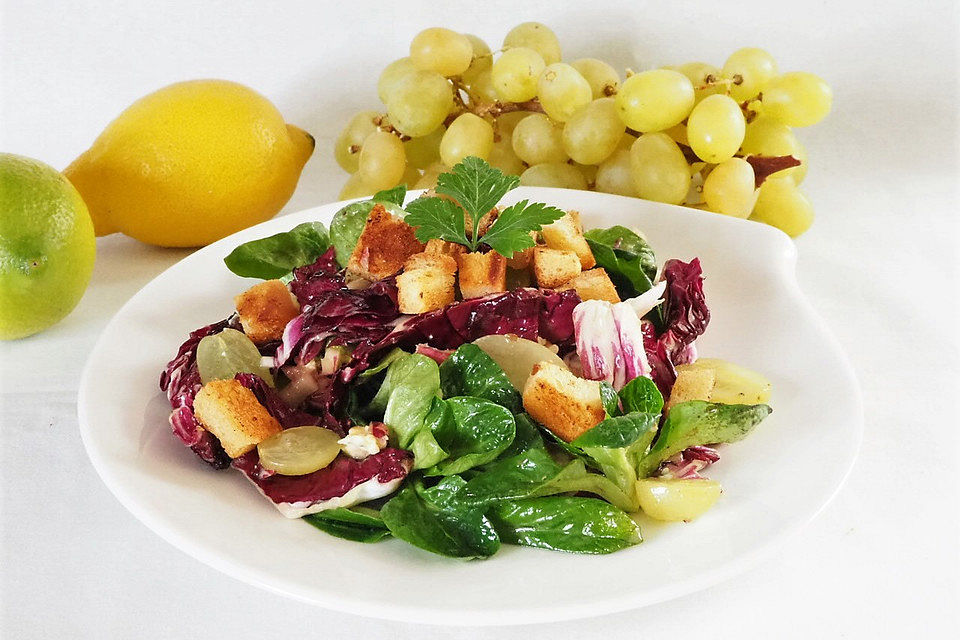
602	78
391	77
553	174
797	99
753	67
468	135
537	140
382	161
782	205
729	188
593	132
423	151
715	128
655	100
355	187
536	36
515	74
562	90
767	137
441	50
615	175
353	135
660	172
419	103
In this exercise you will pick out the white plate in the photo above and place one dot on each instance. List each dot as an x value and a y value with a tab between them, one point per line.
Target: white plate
774	482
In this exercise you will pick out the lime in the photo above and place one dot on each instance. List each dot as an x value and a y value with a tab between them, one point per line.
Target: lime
47	246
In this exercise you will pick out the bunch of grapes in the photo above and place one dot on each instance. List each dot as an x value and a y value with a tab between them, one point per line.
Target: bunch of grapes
719	139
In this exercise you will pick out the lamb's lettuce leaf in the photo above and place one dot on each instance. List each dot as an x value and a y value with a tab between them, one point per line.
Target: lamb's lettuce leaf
437	520
469	371
697	423
472	432
565	523
277	255
359	524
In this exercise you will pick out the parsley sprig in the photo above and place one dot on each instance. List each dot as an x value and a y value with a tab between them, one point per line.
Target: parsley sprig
476	188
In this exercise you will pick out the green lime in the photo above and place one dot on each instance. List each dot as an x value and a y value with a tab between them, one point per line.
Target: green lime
47	246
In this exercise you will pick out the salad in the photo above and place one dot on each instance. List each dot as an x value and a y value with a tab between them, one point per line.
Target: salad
462	375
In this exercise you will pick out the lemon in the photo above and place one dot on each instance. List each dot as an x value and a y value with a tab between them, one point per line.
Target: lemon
191	163
47	246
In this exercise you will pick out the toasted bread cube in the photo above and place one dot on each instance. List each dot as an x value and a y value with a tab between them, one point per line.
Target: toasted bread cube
384	245
486	220
567	234
594	284
554	267
522	259
452	249
427	260
230	411
422	290
567	405
691	384
265	309
482	274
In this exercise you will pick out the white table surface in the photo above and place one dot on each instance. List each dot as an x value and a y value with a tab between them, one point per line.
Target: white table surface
880	264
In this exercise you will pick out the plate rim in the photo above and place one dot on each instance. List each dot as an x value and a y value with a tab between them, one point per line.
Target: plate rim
469	616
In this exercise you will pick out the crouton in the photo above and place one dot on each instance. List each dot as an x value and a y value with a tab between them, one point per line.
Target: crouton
427	260
567	234
522	259
554	267
486	221
594	284
230	411
265	309
567	405
482	274
427	289
451	249
384	245
691	384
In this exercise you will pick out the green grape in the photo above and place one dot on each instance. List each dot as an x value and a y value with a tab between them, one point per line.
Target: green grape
562	90
506	123
797	99
355	187
441	50
614	175
729	189
503	157
704	78
481	88
715	128
419	104
593	132
749	70
659	169
299	450
468	135
536	139
782	205
536	36
391	77
626	141
423	151
382	161
589	173
767	137
223	355
353	135
553	174
678	133
602	78
411	176
515	74
481	59
655	100
429	178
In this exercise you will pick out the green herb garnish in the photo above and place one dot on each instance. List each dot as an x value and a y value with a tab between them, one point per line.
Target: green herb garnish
476	188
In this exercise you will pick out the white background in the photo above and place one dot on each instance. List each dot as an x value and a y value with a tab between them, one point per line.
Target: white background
880	264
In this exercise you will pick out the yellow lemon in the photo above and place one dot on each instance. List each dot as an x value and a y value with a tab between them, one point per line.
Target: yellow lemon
190	164
47	246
